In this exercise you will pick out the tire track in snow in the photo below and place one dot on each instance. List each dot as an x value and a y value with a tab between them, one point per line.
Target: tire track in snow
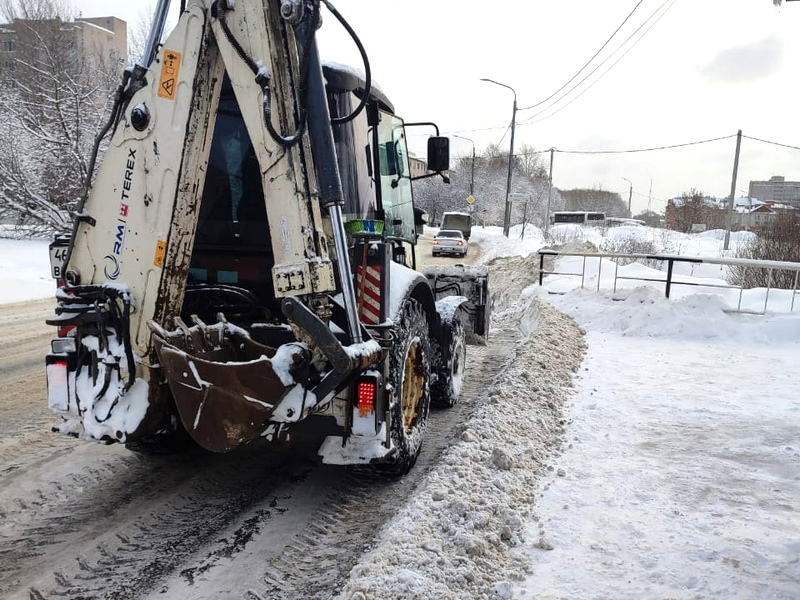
261	524
318	561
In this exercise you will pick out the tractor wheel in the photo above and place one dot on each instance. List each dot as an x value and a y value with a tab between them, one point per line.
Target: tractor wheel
409	371
450	381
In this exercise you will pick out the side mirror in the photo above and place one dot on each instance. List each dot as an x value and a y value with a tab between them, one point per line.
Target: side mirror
438	154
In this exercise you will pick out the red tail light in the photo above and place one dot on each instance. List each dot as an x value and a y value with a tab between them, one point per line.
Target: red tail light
366	393
460	243
64	331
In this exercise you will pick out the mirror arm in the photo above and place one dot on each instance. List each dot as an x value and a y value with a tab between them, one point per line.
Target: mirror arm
444	177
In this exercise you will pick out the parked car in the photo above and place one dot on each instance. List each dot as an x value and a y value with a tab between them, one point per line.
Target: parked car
450	241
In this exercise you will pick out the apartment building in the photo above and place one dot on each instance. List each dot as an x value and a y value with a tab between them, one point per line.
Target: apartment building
418	166
105	38
777	189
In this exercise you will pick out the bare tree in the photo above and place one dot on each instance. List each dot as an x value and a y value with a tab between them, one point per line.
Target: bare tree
595	199
52	101
777	240
529	189
651	218
35	10
531	162
139	32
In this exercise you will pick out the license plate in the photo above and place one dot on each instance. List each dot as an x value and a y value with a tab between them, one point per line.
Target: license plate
58	256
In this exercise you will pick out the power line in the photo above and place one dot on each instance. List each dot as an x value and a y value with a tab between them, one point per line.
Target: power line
773	143
656	148
529	120
587	62
726	137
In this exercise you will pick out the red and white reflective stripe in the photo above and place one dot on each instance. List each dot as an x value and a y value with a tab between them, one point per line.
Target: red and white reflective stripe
369	290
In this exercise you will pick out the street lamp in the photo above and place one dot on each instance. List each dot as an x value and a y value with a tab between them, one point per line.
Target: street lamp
472	173
507	217
630	196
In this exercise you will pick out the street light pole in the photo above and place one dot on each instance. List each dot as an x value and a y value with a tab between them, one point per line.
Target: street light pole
630	196
507	216
549	192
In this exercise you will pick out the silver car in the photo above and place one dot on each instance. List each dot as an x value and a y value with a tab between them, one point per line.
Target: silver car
449	241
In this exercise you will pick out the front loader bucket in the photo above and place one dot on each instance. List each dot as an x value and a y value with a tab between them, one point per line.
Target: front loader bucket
226	386
472	282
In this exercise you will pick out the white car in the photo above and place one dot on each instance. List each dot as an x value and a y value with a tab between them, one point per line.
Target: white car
450	241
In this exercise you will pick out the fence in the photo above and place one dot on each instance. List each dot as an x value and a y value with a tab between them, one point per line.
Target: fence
669	280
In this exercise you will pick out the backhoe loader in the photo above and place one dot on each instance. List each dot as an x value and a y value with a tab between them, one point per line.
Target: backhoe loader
243	261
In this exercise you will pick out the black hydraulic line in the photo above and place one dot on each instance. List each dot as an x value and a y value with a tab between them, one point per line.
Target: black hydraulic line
113	119
305	31
367	68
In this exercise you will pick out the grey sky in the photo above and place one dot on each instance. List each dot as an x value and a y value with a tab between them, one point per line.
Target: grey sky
748	62
691	70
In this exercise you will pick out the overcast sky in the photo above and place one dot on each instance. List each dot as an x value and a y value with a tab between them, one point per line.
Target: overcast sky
705	69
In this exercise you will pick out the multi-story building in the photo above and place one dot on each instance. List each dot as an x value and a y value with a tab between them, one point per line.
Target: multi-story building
777	189
418	166
104	38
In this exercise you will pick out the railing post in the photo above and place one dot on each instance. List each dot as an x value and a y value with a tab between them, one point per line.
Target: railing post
541	268
741	288
670	262
769	286
583	271
599	271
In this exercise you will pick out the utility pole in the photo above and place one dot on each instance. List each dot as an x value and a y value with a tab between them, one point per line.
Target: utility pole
472	170
507	224
549	193
472	174
630	196
729	221
507	216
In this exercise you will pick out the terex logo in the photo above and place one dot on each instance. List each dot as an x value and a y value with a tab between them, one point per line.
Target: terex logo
112	267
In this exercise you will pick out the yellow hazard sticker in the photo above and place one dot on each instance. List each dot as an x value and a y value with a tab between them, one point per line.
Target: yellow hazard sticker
161	251
170	69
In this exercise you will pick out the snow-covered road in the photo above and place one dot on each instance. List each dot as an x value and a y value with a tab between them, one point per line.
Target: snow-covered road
670	470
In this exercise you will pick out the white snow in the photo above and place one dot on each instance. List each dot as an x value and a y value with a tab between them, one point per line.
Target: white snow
25	270
667	465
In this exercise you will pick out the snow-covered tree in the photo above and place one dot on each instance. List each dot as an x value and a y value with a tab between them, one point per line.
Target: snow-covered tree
595	199
488	181
55	94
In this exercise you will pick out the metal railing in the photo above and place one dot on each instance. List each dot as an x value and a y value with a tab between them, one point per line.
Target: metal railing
669	279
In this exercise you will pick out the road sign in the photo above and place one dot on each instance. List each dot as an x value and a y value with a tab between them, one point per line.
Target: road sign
471	199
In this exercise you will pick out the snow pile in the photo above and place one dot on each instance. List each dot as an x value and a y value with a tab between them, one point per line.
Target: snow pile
455	539
494	245
644	311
